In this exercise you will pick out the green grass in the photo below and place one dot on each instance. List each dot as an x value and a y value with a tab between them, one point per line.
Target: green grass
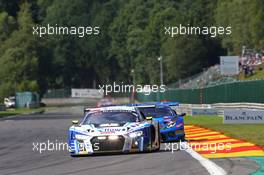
249	132
10	112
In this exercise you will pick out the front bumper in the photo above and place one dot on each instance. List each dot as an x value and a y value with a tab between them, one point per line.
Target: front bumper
172	134
95	145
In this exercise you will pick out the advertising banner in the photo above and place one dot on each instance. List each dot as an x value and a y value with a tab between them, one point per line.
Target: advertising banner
86	93
204	111
233	116
229	65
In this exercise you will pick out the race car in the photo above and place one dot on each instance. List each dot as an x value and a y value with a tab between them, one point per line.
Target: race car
113	129
171	124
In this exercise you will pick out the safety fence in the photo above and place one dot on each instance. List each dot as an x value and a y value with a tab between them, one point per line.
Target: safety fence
57	93
85	93
2	107
240	91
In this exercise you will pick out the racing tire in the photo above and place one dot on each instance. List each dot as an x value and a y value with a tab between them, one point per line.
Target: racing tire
154	147
159	142
74	156
182	139
152	138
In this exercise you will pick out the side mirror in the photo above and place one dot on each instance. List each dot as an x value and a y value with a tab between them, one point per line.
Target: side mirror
75	122
183	114
149	118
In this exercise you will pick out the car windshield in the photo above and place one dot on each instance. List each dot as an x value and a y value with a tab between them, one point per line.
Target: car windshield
155	112
107	117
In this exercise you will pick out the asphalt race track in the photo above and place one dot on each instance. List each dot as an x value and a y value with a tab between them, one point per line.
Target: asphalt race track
19	156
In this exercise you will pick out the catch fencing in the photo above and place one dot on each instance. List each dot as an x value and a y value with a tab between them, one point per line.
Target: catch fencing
240	91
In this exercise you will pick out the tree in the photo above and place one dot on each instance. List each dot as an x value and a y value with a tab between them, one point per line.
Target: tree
183	61
79	62
256	23
131	37
245	18
7	26
19	56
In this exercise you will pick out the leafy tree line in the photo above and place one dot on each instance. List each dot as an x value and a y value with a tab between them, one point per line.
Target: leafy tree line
131	37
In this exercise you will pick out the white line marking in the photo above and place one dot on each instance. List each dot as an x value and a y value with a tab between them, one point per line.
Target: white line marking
210	166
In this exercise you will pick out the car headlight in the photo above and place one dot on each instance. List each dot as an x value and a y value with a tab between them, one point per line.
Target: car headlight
136	134
171	124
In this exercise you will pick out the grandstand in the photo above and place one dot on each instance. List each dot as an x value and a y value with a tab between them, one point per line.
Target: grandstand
208	77
251	68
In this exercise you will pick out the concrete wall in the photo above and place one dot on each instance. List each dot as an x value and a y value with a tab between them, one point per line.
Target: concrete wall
69	101
79	101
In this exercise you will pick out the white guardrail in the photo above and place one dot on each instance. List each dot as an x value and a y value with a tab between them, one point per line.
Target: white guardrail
188	108
238	105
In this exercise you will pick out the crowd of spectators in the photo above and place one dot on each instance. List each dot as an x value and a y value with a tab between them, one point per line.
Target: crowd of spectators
249	61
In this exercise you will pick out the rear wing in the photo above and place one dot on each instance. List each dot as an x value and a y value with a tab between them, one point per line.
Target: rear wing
167	104
154	104
86	110
143	105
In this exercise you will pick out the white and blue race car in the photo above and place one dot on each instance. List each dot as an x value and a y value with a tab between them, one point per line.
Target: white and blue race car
113	129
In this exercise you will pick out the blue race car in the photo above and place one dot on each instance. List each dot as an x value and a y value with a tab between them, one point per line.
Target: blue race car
171	124
113	129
